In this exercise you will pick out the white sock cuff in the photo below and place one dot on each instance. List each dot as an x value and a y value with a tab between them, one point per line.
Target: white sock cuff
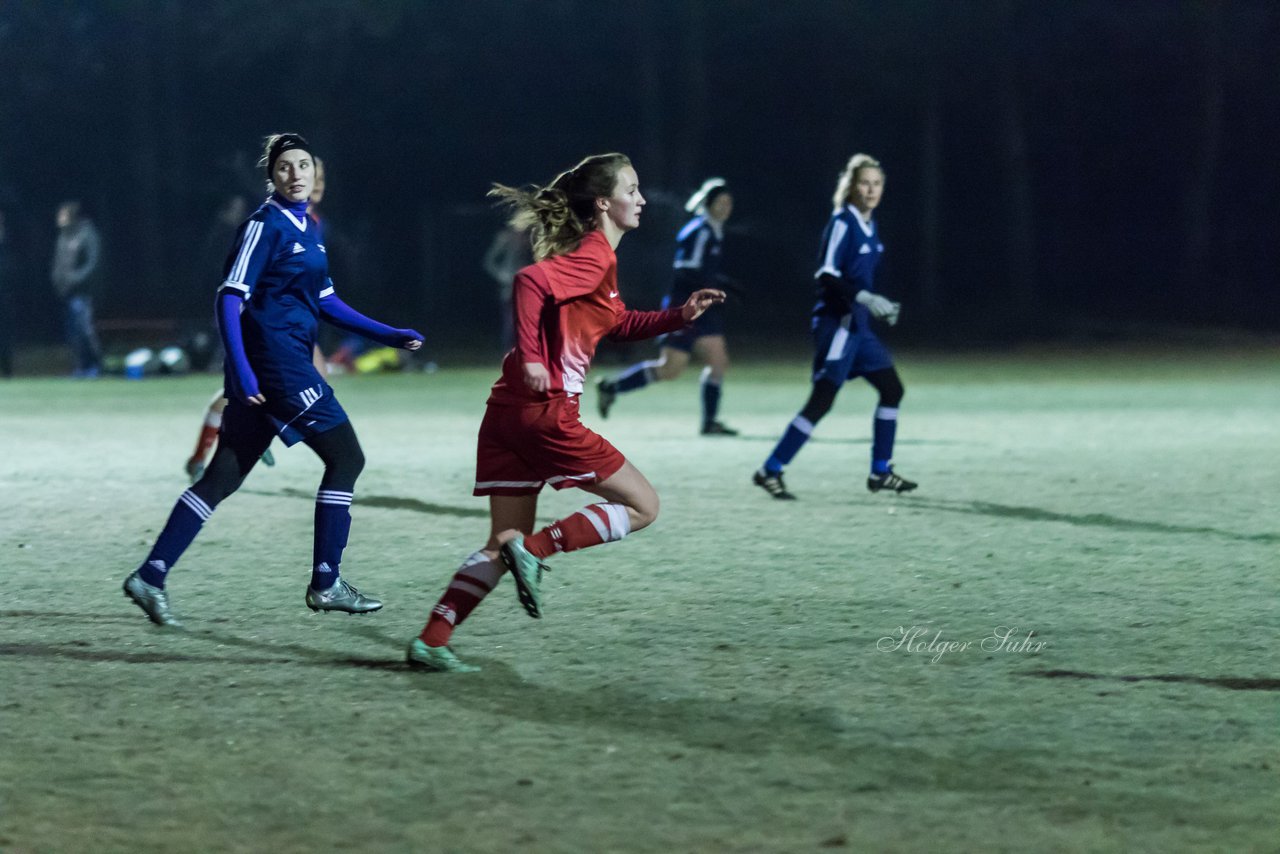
615	525
474	558
483	569
887	413
619	521
804	425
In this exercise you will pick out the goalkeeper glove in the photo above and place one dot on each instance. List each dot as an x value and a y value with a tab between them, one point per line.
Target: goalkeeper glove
885	309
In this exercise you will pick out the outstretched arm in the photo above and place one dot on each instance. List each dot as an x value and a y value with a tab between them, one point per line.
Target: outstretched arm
639	325
337	312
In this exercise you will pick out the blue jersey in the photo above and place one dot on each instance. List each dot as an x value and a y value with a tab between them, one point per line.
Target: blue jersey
697	257
851	252
278	264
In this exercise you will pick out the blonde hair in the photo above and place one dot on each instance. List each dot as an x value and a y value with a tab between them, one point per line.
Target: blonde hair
844	186
560	214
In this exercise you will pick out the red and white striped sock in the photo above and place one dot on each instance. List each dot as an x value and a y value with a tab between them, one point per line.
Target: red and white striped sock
473	581
208	435
590	526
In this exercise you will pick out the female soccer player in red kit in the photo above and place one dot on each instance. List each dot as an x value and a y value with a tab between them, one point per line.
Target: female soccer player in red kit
531	435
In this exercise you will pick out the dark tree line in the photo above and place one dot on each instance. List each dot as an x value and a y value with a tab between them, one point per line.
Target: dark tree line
1050	164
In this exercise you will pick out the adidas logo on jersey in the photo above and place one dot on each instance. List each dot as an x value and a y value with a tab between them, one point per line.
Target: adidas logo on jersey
298	247
322	249
865	250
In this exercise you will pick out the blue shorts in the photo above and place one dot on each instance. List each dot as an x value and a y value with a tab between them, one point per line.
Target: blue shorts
842	353
293	418
711	322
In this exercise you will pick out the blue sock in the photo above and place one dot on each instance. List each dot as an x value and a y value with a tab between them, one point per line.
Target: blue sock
333	525
797	433
884	428
188	517
710	398
635	377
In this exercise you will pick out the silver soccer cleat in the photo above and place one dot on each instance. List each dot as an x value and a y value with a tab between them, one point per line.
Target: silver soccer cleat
341	597
153	601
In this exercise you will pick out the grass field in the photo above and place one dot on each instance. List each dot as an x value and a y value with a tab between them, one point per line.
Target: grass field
732	679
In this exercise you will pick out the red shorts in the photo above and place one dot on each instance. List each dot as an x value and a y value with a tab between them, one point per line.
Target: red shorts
523	448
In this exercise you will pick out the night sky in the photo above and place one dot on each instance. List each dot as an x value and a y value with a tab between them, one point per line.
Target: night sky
1052	167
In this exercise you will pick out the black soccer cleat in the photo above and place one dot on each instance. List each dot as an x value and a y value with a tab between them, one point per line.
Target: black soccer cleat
606	396
772	484
891	482
715	428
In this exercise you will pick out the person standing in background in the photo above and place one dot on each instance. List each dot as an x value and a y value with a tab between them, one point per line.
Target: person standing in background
75	277
845	342
506	255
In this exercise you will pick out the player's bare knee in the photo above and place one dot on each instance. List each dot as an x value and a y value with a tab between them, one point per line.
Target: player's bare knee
668	371
644	512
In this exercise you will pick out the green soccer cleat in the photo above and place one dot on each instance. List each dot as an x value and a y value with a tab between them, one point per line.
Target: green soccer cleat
341	597
527	571
437	659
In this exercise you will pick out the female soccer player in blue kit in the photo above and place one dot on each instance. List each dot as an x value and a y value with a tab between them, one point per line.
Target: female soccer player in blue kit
275	288
697	265
845	344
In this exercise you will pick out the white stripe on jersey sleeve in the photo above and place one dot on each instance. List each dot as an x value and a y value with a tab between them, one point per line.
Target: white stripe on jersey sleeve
235	278
838	231
694	261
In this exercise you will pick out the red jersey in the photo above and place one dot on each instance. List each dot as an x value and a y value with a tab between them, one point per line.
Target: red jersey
563	306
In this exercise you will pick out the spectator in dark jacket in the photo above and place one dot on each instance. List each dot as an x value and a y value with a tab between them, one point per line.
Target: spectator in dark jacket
75	276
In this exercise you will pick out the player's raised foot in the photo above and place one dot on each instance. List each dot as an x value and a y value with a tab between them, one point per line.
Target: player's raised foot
268	458
153	601
341	597
194	469
439	659
890	481
715	428
606	396
527	571
772	483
